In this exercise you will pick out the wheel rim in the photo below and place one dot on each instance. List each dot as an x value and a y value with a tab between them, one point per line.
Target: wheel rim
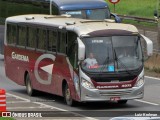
68	96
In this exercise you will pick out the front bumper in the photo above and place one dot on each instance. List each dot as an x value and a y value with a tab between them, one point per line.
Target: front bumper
107	94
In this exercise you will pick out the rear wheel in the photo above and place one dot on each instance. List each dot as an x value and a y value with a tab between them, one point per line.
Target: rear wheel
122	101
30	90
67	96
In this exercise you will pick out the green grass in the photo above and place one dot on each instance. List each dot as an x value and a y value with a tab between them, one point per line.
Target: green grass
136	23
11	9
141	8
6	118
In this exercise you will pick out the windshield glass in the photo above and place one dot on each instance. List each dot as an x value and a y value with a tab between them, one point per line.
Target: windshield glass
95	14
109	54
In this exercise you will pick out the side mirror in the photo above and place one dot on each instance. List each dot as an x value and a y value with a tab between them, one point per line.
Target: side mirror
155	13
149	45
81	50
156	16
117	19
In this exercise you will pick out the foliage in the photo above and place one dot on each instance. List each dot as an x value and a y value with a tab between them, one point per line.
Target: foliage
141	8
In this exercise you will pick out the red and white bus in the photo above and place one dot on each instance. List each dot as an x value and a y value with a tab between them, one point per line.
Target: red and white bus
81	60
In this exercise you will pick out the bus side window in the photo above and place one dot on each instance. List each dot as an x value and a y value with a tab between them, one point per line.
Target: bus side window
11	34
52	41
22	33
62	42
31	37
41	44
55	9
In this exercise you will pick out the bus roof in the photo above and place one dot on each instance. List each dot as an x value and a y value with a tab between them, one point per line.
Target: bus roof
80	4
79	26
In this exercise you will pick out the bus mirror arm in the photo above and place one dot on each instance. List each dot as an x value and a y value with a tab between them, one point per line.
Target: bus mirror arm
156	15
149	45
81	50
117	19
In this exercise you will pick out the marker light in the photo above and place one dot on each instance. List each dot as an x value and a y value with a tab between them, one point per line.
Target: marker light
139	82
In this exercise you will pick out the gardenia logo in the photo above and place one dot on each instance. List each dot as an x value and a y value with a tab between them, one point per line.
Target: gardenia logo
101	87
20	57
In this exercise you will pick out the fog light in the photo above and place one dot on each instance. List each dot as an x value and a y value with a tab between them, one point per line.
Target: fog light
139	82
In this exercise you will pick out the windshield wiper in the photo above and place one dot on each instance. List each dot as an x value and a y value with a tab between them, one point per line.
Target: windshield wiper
106	62
123	65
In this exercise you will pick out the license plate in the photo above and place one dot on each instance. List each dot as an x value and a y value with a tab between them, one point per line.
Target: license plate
115	98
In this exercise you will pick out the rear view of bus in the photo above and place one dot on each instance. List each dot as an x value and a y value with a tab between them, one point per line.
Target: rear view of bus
81	60
85	9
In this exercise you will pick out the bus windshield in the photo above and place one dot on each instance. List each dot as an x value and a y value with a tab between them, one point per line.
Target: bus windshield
109	54
95	14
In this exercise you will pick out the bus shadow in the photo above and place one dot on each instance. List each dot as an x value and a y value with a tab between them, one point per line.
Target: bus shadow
104	106
50	98
40	96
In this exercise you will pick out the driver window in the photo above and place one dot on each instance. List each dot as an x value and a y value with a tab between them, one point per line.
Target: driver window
72	49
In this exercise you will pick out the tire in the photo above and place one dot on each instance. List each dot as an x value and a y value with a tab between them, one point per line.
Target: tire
30	90
67	96
122	101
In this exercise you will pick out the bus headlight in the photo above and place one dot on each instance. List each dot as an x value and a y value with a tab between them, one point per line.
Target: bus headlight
139	82
87	84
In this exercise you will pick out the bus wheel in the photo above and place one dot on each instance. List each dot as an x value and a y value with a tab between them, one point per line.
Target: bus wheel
67	96
29	88
122	101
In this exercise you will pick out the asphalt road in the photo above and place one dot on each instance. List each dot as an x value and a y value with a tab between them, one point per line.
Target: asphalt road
18	100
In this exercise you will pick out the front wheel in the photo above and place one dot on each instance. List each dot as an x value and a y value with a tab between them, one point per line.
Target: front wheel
30	90
67	96
122	101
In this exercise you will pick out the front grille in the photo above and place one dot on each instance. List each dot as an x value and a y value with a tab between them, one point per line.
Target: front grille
115	93
111	79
